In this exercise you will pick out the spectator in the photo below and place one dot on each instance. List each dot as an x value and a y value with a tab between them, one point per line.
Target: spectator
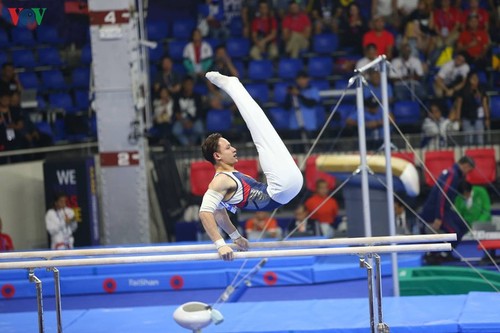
446	23
212	19
370	55
452	76
188	127
261	225
264	31
375	87
320	13
352	27
9	82
482	15
296	30
5	240
197	56
302	226
224	65
382	38
167	78
406	76
436	128
417	29
9	138
406	224
475	42
473	204
163	110
248	10
473	110
386	9
437	211
303	99
61	224
327	208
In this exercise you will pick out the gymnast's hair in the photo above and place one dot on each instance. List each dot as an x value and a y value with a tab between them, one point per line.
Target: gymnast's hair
210	146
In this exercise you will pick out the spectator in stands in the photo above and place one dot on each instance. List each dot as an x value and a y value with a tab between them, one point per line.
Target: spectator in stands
370	51
406	74
321	14
406	224
264	32
296	30
248	10
188	127
9	82
303	99
10	138
452	76
301	226
382	38
198	56
224	65
375	87
5	240
261	225
60	223
417	29
167	78
326	208
211	19
475	42
163	111
386	9
436	128
437	211
481	13
446	23
473	110
352	28
473	203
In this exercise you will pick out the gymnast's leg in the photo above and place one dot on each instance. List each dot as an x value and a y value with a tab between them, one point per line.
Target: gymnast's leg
284	179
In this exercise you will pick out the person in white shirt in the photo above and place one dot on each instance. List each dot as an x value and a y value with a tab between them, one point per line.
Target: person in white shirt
61	224
370	52
436	128
198	56
406	75
452	76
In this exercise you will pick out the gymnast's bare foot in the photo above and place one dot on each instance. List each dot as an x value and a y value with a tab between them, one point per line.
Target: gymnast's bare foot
220	80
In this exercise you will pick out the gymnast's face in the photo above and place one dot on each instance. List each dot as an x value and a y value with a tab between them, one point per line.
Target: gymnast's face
226	153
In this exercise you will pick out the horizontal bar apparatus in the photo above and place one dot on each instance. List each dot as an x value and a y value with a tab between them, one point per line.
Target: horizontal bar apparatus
237	255
253	245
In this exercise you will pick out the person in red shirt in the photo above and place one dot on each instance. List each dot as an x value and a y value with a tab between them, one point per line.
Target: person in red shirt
264	32
5	241
475	42
446	22
381	38
262	226
482	15
328	210
296	30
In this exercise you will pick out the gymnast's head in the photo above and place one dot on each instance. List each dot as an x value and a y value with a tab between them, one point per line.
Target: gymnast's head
217	150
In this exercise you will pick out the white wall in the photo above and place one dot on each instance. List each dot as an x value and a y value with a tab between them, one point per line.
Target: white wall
22	204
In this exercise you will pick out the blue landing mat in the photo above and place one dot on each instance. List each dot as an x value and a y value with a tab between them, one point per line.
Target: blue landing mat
423	314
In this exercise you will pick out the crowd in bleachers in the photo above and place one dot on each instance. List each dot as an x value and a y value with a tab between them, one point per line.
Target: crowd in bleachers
444	54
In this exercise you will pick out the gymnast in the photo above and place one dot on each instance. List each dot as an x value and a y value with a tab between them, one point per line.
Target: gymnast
231	189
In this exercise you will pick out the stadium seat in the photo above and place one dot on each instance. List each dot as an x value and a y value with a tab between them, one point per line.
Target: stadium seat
23	58
214	42
495	107
219	120
485	171
405	155
176	49
157	53
280	118
86	55
288	68
260	70
201	88
249	167
22	37
238	47
312	174
157	30
320	84
44	127
259	91
80	77
325	43
240	67
47	34
3	58
280	91
179	68
53	80
82	100
4	39
436	162
341	84
345	110
236	27
49	57
183	28
61	101
29	80
406	112
200	175
320	67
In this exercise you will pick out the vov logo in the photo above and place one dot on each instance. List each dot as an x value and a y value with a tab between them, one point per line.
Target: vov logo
28	14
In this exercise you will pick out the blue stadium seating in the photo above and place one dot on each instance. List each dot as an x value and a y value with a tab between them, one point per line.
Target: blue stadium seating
80	77
288	68
3	58
406	112
86	55
495	107
345	110
240	67
280	118
29	80
23	58
42	104
260	70
156	53
320	84
47	34
325	43
219	120
176	49
53	80
280	91
259	91
182	28
22	37
157	30
44	127
49	56
61	101
320	66
82	100
236	27
238	47
201	88
214	42
4	39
